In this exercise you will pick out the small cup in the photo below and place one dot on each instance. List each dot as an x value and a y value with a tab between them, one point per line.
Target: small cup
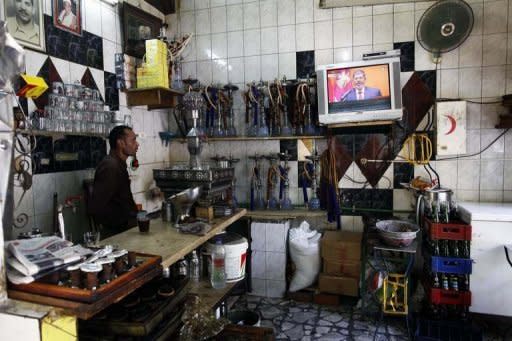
58	88
74	275
90	273
119	263
132	259
107	266
143	223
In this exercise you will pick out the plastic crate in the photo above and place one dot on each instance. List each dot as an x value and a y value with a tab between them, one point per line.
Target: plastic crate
459	266
449	231
451	265
441	296
442	330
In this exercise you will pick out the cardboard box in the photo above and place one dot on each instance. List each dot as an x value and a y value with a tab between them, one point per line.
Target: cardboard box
339	246
338	285
348	268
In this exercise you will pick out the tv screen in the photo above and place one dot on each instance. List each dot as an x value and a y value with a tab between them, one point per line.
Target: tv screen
359	88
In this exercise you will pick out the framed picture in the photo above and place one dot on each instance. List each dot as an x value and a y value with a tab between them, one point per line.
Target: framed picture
25	22
138	26
67	15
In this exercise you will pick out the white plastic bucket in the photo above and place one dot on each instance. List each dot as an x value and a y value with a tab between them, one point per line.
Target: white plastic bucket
236	255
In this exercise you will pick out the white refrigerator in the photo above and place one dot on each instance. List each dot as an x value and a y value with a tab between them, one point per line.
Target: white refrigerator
491	280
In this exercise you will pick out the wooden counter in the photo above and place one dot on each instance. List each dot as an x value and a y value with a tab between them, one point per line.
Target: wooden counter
165	241
284	214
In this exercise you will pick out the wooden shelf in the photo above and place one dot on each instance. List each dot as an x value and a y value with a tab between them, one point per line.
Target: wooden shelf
57	133
252	138
154	98
209	296
360	124
284	214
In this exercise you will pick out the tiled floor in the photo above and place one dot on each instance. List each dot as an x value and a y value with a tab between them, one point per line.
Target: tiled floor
305	321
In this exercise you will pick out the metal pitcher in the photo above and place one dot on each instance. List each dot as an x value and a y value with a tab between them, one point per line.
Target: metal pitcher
437	203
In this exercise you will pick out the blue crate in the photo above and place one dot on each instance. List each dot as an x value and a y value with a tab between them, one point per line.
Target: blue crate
460	266
442	330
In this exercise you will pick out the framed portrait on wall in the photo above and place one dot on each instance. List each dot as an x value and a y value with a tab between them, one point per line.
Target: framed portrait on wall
67	15
138	26
25	22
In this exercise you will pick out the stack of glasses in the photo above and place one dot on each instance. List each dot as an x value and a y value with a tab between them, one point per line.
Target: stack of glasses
74	108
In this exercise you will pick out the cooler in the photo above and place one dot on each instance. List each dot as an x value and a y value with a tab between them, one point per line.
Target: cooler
491	278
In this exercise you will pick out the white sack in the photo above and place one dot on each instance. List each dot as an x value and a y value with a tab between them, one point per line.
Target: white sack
305	253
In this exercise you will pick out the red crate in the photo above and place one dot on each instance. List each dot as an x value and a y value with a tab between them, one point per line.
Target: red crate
456	230
441	296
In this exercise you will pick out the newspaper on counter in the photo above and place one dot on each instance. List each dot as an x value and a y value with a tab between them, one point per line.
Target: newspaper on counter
31	256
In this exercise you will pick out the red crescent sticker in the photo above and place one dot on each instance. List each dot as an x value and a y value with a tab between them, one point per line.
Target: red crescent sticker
453	124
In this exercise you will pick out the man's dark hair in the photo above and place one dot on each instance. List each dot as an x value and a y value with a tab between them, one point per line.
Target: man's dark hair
116	134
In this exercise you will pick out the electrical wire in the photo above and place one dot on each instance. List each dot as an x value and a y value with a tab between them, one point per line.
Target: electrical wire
477	153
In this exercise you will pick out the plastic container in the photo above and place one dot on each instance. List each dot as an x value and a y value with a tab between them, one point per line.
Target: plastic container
217	272
244	317
451	265
442	330
448	231
236	255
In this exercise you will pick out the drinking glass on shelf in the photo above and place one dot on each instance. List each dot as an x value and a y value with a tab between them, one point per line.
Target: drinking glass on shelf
91	239
58	88
95	95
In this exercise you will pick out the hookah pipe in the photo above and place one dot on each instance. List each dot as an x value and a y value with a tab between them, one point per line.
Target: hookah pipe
210	111
301	100
329	185
255	180
308	169
272	175
224	101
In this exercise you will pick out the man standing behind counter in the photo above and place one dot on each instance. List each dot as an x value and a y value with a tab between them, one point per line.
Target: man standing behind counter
112	204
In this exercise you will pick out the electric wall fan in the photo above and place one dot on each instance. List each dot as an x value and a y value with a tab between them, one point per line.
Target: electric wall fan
444	26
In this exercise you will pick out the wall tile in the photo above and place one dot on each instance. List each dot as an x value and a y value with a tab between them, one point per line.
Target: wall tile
268	13
343	35
342	13
189	70
252	68
491	113
381	31
491	196
108	55
271	66
44	185
215	3
497	150
494	50
275	265
493	81
204	72
235	44
471	52
323	57
219	46
323	35
286	38
507	181
363	11
465	195
201	4
495	17
252	42
474	112
236	70
203	21
93	17
343	54
258	286
321	14
235	17
258	264
204	47
269	40
251	15
220	71
358	51
285	12
275	236
275	289
188	22
218	15
449	83
305	37
494	182
362	35
470	84
303	11
108	23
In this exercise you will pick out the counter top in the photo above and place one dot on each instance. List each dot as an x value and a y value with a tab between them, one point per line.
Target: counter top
487	211
165	241
284	214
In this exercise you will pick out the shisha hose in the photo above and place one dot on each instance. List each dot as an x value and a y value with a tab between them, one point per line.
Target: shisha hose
283	172
271	177
254	183
329	185
308	169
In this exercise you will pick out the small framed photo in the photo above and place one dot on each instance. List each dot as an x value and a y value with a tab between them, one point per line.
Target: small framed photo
25	22
67	15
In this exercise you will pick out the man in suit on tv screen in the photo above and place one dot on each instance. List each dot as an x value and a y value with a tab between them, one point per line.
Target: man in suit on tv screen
359	90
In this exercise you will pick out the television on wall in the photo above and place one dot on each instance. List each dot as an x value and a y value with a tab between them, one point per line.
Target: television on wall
359	91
